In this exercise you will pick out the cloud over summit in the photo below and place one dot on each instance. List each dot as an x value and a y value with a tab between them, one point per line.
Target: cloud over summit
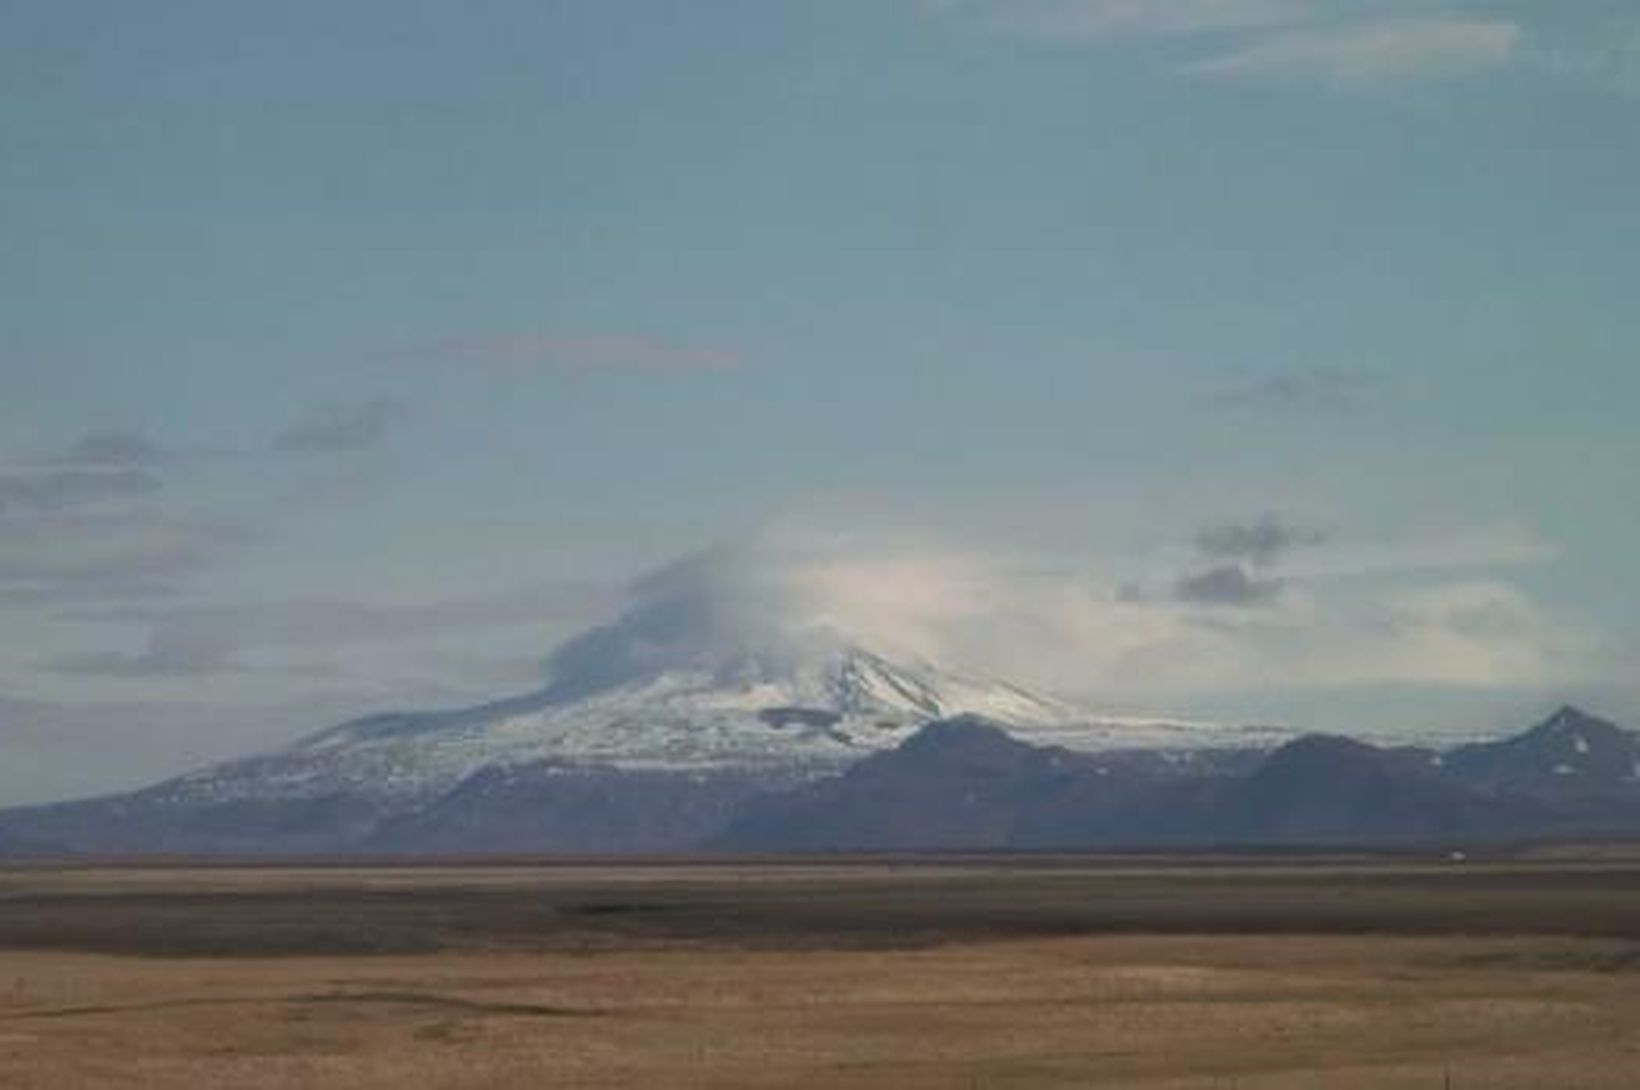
1073	631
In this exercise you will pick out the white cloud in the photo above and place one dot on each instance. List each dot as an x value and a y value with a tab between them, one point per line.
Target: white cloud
1456	633
1465	633
1361	43
1073	631
1371	52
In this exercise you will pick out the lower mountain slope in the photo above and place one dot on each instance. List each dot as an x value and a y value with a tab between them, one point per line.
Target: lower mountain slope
695	719
1571	752
647	734
715	684
965	784
1324	789
646	761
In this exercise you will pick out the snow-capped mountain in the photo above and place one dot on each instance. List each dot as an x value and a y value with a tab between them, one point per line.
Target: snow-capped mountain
705	690
792	716
706	672
634	744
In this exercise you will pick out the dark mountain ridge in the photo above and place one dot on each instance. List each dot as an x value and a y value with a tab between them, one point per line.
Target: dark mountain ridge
1571	752
964	784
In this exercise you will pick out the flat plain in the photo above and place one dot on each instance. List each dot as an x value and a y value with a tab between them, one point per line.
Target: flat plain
1249	972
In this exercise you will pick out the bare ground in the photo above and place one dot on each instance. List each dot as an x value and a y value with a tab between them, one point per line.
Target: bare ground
909	975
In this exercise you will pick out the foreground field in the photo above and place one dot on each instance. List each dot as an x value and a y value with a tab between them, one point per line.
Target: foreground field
981	974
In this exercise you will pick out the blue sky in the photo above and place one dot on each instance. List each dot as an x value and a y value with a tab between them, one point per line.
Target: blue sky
1233	358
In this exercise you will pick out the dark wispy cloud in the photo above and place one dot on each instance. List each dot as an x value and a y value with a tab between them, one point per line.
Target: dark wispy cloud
100	556
113	448
200	640
1260	541
1237	557
1300	389
34	491
168	654
342	426
1228	585
124	448
96	520
617	352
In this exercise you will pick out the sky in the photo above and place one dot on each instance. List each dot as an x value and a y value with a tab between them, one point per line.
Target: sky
1236	359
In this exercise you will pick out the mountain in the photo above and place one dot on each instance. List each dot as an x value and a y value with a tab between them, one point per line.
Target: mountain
12	847
549	807
1570	752
718	684
715	712
648	731
966	784
645	762
784	715
958	783
1324	789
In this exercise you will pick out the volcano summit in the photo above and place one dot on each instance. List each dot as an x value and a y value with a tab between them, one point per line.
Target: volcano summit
722	709
712	686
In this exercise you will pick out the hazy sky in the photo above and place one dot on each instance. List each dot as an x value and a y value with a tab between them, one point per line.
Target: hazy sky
1232	358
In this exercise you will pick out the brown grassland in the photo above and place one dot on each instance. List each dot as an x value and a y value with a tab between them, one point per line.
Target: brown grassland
1023	972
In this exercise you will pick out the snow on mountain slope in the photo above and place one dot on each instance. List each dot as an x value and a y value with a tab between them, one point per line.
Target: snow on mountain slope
703	673
808	717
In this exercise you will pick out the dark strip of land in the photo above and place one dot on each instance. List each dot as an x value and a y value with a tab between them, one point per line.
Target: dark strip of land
173	909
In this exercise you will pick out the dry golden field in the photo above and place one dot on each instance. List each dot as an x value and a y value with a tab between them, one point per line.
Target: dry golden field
908	974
